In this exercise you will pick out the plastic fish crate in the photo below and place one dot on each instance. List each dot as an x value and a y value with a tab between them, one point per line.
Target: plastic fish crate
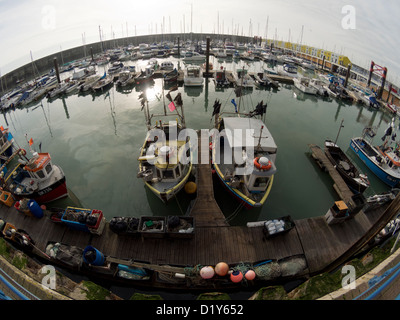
75	225
6	198
148	229
184	221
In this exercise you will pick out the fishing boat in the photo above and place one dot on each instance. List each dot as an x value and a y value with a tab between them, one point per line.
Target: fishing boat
192	56
171	76
357	181
165	161
304	85
319	85
193	76
35	178
145	76
287	70
243	79
220	78
379	163
103	84
244	155
125	78
167	65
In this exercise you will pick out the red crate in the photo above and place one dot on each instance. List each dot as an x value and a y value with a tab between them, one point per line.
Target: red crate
99	215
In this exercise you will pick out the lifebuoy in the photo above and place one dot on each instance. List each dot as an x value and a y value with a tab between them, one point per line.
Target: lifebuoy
23	152
262	167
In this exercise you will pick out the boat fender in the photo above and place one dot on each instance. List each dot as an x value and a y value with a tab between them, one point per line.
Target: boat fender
262	166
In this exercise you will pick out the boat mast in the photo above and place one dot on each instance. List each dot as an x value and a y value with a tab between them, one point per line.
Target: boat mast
340	128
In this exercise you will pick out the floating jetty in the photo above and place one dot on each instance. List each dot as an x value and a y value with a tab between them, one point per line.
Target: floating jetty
312	245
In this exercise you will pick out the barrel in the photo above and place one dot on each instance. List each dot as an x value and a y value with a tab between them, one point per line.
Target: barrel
35	209
93	256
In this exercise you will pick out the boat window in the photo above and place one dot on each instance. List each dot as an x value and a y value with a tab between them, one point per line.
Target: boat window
40	174
260	182
48	168
168	174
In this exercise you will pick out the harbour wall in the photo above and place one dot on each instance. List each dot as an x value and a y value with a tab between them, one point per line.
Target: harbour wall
326	60
45	64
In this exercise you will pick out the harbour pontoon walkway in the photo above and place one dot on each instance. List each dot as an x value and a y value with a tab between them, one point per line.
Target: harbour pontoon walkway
323	246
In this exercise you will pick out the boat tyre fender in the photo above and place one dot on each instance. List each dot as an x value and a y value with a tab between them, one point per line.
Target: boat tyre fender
262	167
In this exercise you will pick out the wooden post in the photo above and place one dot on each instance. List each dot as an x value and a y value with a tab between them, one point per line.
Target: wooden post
207	74
347	75
371	69
56	68
179	49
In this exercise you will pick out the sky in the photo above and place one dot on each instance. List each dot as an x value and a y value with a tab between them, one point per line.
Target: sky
363	30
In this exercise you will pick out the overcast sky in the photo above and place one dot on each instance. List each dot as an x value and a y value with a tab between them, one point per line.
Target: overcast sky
45	27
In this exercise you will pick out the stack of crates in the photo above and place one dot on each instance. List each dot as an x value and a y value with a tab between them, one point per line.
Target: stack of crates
70	218
101	222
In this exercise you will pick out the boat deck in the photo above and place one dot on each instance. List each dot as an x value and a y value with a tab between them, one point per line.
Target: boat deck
323	246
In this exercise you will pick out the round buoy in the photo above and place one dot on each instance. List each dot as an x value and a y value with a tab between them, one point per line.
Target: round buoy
190	187
221	269
207	272
250	275
236	276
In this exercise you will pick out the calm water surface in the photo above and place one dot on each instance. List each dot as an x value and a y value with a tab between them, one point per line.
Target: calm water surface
96	140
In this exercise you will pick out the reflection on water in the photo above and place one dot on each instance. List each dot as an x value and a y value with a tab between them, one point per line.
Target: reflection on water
96	139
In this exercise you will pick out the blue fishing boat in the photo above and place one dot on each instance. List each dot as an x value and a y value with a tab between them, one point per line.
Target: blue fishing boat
379	163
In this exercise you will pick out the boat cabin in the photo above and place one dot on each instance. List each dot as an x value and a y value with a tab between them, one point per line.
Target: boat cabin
39	166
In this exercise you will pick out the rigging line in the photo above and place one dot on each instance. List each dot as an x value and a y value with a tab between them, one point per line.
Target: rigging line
180	209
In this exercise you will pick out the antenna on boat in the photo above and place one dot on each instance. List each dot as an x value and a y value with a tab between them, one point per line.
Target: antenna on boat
340	128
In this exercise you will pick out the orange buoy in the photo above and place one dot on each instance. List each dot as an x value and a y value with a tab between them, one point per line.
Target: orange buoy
221	269
250	275
236	276
262	163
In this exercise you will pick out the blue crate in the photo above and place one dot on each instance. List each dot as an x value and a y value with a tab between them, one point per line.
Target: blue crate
75	225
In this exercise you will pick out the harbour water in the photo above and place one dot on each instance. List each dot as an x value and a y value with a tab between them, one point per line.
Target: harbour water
96	138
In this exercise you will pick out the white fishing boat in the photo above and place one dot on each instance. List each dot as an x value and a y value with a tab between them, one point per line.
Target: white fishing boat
319	85
105	82
244	155
193	76
191	56
304	85
167	65
243	79
287	70
165	164
125	78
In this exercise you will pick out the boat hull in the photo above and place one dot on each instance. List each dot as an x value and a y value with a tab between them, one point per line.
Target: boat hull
241	198
390	180
351	182
55	191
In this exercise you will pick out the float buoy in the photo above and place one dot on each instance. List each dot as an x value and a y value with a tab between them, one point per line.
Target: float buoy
190	187
250	275
221	269
236	276
262	163
207	272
